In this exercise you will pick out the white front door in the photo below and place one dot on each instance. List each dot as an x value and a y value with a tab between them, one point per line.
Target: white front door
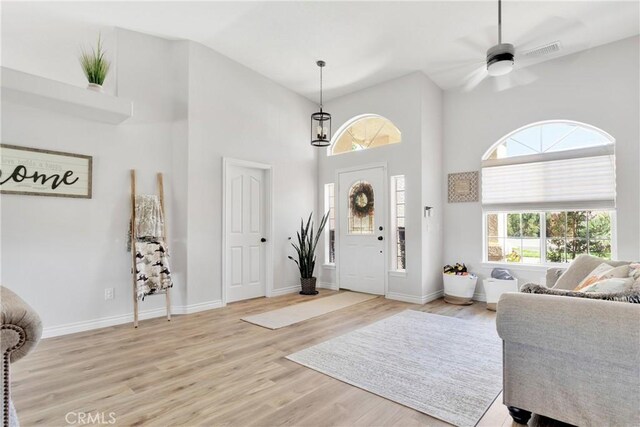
361	258
245	227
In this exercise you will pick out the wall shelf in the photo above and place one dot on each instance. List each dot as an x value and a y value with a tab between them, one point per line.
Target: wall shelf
40	92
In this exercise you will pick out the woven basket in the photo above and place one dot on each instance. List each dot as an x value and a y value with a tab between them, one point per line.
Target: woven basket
308	286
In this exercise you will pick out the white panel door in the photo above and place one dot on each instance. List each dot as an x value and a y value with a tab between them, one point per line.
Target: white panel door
361	259
246	237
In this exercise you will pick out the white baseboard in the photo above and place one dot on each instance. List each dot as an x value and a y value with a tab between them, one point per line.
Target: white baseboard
286	290
103	322
413	299
433	296
296	288
479	297
195	308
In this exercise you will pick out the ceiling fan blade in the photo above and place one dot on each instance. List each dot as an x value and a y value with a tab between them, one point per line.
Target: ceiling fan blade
474	78
479	41
453	71
448	66
502	83
525	76
456	71
518	77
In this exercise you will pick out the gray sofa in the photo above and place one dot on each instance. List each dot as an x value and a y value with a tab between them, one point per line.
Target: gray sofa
575	360
20	332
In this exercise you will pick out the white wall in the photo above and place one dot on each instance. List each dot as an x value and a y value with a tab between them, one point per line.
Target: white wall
432	194
192	106
60	254
237	113
53	52
599	87
413	104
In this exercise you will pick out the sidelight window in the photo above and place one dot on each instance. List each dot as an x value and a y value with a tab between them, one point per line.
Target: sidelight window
399	257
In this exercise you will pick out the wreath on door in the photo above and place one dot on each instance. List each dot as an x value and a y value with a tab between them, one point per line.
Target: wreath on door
361	200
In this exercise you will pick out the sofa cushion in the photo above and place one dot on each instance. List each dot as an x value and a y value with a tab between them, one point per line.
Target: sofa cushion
603	272
580	268
630	294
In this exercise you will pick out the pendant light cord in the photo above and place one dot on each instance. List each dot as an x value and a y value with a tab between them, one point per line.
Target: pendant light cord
499	21
320	88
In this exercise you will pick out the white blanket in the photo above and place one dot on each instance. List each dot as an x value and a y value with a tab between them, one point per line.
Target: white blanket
149	219
152	268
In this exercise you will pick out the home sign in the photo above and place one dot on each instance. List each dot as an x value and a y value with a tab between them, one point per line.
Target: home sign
37	172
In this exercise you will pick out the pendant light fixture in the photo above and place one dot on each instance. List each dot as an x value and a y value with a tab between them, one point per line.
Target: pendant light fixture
320	121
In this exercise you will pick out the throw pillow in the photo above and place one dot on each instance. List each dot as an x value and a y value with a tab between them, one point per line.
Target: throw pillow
609	285
631	294
577	270
580	268
634	271
602	272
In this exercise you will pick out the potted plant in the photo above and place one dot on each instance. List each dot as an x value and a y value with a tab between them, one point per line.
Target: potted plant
95	66
459	284
305	249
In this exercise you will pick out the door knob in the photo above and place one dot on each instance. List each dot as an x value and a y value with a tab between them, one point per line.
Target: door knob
263	240
380	237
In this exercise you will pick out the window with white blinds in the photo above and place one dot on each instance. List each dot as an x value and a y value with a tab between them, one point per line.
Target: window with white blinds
549	166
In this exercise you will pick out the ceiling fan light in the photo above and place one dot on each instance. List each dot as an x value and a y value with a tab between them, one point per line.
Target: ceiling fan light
500	68
500	59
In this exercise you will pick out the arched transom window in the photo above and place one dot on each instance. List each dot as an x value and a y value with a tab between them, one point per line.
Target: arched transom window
549	137
364	132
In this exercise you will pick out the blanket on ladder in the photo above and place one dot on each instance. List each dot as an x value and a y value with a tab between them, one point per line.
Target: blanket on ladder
149	219
152	268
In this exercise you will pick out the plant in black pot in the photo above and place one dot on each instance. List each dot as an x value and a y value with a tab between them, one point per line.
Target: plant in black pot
306	251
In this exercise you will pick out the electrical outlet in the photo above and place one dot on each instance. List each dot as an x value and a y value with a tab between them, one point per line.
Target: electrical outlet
109	293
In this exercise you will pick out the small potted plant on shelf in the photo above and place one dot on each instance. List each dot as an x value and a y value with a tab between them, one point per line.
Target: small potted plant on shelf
305	249
95	66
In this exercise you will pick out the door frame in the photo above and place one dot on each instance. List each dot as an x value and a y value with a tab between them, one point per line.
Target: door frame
228	162
387	221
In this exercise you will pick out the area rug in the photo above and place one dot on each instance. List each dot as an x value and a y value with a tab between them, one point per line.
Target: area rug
276	319
448	368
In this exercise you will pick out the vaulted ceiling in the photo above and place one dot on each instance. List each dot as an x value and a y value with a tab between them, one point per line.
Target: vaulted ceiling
364	43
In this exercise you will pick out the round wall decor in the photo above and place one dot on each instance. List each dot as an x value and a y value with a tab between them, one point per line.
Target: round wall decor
361	199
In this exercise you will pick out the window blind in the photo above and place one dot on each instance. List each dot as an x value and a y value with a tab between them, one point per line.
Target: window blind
586	182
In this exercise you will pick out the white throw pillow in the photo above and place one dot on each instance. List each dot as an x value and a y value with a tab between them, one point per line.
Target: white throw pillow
602	272
610	286
634	271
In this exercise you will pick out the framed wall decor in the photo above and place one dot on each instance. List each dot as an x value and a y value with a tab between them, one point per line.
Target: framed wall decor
463	187
36	172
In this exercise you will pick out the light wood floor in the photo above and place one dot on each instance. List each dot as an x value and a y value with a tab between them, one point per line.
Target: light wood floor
211	368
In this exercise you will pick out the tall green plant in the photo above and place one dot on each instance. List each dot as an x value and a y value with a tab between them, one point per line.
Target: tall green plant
94	64
306	246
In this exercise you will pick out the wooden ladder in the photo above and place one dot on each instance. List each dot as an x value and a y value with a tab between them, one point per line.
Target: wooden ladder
133	244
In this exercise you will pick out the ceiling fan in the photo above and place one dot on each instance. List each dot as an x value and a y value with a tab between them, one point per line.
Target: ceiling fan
505	63
500	58
499	61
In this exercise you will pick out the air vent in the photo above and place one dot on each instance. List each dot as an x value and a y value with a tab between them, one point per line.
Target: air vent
546	49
